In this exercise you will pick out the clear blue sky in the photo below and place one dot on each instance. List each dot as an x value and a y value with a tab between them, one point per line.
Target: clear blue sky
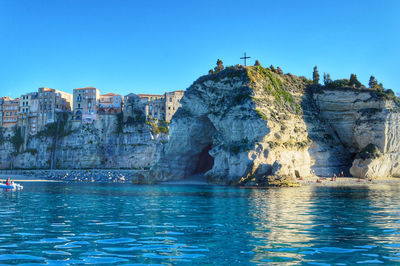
155	46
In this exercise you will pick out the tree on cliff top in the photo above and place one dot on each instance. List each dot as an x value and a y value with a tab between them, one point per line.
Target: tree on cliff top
354	81
272	68
327	79
220	66
373	84
315	75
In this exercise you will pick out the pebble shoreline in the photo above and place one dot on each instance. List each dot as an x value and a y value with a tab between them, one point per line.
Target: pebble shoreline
90	175
351	181
131	176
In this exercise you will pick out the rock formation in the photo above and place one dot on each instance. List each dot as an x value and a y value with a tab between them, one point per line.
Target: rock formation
252	126
238	126
107	143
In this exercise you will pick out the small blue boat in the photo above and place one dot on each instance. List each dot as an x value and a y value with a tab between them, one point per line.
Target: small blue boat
12	186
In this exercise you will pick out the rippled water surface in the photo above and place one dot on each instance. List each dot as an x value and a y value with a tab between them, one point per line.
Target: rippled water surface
59	223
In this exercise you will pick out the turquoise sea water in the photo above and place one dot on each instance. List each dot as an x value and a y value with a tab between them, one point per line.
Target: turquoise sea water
73	224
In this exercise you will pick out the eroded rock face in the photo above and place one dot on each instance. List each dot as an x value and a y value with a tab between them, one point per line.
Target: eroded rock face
97	145
259	124
360	118
253	120
386	131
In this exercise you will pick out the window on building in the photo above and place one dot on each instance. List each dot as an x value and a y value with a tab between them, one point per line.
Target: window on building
170	99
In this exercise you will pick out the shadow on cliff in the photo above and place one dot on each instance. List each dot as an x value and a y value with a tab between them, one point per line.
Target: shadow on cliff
329	153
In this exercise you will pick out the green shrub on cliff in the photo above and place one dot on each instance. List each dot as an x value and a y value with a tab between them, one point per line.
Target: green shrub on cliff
354	81
2	138
120	123
261	114
50	130
17	139
388	95
274	86
158	127
339	83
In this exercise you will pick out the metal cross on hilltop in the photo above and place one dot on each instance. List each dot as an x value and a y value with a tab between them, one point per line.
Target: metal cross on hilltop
245	57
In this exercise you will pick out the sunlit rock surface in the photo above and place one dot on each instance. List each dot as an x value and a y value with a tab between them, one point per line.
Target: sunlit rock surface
248	125
103	144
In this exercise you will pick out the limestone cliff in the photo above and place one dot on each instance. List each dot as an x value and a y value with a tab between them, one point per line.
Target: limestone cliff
107	143
239	126
250	125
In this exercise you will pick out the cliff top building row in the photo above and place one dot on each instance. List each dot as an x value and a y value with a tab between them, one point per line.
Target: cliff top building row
89	103
162	107
9	109
36	109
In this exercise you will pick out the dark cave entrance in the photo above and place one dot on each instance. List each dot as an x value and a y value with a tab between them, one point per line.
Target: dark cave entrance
205	161
198	159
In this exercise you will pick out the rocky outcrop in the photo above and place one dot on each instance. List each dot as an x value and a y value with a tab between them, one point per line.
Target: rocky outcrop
107	143
362	118
246	126
249	125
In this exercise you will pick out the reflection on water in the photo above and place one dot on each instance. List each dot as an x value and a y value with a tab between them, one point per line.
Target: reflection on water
71	224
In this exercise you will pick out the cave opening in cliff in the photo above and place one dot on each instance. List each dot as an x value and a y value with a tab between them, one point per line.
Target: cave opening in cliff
205	161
